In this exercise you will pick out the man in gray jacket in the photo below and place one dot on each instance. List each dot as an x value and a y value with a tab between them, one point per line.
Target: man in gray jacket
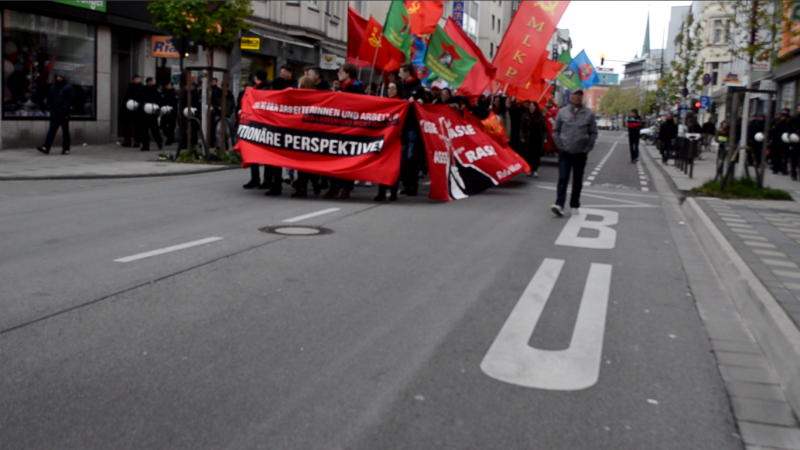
575	133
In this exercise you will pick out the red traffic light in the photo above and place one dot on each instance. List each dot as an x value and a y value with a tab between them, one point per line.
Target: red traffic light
697	105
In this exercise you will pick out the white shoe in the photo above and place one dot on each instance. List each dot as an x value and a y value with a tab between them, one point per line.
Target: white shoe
557	210
535	174
575	211
368	184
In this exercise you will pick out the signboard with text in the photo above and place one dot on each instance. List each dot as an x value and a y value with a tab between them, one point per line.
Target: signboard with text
162	47
458	13
93	5
250	43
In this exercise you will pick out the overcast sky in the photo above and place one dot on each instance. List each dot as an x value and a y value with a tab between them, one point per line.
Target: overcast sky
615	29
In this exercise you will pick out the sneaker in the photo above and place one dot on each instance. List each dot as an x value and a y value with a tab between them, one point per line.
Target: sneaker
575	211
43	149
265	185
252	184
557	210
535	174
65	152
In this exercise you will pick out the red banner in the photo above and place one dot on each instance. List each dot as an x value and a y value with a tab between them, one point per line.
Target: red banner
348	136
492	127
527	37
462	159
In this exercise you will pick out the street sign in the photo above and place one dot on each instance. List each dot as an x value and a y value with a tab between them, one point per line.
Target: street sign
249	43
458	13
685	92
706	79
705	102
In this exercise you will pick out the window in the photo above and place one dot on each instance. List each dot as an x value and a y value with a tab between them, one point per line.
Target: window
328	7
493	21
722	31
499	27
359	6
491	49
471	10
714	73
43	46
312	4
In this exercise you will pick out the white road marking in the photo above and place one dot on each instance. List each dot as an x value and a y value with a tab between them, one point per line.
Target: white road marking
759	244
758	251
786	273
792	286
607	237
645	189
745	231
600	165
512	360
750	236
161	251
310	215
732	220
590	178
779	263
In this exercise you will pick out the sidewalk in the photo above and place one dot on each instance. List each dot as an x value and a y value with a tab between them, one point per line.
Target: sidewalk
754	248
94	161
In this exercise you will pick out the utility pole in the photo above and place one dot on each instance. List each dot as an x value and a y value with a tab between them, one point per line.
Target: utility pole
746	109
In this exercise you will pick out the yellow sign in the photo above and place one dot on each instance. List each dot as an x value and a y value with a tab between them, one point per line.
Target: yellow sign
164	48
250	43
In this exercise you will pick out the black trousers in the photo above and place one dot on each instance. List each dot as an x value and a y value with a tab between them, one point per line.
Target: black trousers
168	127
128	118
149	125
55	124
575	163
303	178
634	144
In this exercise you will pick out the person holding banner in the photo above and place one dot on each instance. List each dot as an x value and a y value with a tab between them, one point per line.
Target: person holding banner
392	93
261	83
411	89
348	75
301	185
575	134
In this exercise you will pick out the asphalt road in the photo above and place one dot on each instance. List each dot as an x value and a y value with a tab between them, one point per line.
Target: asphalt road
411	325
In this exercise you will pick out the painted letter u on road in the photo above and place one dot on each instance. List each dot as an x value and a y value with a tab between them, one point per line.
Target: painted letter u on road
512	360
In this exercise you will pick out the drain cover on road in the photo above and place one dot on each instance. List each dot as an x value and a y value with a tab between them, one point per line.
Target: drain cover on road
296	230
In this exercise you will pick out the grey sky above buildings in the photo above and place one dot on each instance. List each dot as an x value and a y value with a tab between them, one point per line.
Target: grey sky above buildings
616	29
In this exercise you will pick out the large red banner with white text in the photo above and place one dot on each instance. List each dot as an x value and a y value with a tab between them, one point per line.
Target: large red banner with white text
347	136
462	159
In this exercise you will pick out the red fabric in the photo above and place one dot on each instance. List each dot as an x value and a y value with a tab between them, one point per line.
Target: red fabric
527	36
462	159
389	58
533	92
356	26
424	16
482	73
348	136
492	127
550	121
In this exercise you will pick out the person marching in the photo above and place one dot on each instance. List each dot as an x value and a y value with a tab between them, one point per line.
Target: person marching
261	84
575	134
634	127
301	184
533	131
410	89
149	116
59	102
348	74
391	93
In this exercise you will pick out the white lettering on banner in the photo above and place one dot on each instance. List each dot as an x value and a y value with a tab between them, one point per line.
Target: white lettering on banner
480	153
508	172
308	144
607	239
440	157
428	127
510	359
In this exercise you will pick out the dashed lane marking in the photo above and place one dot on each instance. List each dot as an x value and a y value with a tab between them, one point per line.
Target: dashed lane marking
173	248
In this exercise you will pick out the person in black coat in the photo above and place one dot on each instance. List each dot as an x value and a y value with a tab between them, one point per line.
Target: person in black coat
410	89
59	102
348	74
272	175
533	130
667	134
778	148
168	120
128	117
634	128
285	80
321	83
149	118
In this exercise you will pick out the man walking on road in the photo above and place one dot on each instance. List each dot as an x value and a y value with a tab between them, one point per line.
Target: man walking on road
634	126
575	133
60	100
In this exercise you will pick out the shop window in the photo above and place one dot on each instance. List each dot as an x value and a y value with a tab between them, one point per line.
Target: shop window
252	63
35	49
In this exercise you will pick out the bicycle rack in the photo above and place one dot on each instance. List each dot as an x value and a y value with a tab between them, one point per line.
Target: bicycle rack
200	138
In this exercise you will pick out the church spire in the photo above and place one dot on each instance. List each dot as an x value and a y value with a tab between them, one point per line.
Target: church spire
646	45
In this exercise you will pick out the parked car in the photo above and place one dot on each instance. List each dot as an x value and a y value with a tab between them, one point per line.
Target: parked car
649	134
603	123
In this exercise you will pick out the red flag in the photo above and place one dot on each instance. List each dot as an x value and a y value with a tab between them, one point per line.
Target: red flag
482	73
550	121
356	25
527	36
424	16
389	58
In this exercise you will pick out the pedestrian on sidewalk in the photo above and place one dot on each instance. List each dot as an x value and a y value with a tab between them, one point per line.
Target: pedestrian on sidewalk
634	127
169	119
778	149
153	100
59	102
667	134
128	116
575	134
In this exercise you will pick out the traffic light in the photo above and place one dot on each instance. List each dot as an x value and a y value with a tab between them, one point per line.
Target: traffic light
602	58
697	105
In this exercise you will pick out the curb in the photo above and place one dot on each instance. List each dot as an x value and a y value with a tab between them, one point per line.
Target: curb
105	177
774	331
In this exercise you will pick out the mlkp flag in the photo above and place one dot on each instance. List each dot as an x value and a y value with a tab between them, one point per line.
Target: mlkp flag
585	70
527	37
